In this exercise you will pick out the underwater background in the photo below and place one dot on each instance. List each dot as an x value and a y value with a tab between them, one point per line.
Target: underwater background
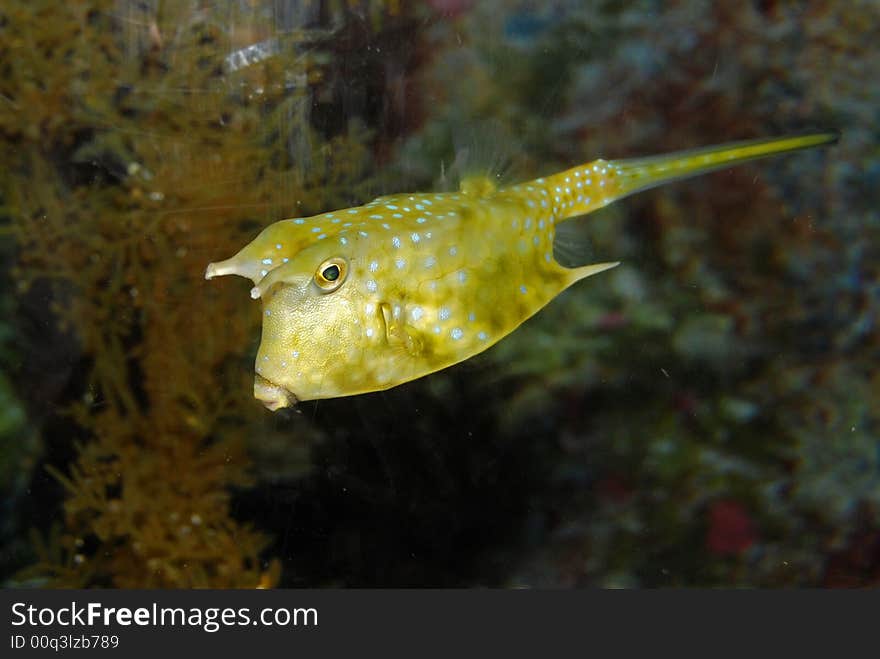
706	414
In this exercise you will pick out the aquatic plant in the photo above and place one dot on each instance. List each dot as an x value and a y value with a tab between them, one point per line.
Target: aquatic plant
134	152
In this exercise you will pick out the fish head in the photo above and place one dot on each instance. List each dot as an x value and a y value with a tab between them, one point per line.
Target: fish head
314	321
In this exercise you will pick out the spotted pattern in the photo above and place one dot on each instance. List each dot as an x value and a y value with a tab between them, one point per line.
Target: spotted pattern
428	279
440	298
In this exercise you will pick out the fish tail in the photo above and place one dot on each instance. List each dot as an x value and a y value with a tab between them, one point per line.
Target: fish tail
596	184
637	174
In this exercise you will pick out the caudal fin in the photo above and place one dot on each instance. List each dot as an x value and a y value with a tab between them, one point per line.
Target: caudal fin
585	188
637	174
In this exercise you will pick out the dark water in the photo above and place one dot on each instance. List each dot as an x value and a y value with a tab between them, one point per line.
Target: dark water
705	414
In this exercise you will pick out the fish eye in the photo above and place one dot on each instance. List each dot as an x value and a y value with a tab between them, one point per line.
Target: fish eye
331	273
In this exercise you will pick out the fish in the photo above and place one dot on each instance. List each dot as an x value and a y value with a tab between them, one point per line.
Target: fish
362	299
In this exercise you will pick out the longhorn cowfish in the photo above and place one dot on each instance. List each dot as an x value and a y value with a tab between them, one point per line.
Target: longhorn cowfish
366	298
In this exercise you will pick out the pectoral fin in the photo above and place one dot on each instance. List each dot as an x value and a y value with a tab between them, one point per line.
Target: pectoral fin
398	333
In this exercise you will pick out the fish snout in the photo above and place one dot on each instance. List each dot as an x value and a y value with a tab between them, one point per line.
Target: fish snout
273	396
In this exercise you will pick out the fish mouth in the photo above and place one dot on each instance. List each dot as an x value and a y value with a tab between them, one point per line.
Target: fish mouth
273	396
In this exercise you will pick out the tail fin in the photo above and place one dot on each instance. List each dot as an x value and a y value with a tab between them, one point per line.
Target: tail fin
585	188
639	174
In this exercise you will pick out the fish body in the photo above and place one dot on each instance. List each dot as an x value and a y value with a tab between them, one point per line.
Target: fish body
366	298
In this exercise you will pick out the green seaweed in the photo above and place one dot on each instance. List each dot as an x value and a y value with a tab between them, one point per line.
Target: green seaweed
132	158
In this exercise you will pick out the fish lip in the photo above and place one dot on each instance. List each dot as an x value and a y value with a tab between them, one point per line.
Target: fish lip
273	396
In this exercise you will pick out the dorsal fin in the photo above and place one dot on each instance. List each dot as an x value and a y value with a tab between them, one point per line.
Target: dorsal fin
478	186
476	148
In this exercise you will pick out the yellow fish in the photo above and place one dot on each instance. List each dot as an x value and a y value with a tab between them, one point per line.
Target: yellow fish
366	298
